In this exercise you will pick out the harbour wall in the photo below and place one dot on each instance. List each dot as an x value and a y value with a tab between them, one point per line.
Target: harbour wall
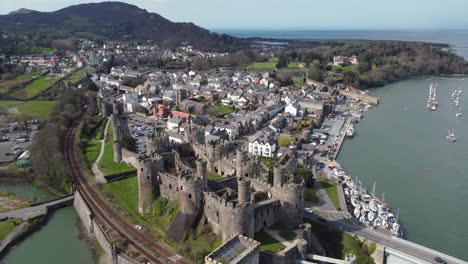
101	233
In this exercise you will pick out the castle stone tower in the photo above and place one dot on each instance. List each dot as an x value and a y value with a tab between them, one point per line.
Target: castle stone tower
104	108
181	95
202	170
240	159
244	191
239	218
115	108
145	186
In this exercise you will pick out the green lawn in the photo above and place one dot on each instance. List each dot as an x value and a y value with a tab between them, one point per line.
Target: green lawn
6	227
76	76
268	243
40	108
214	176
107	164
221	110
271	65
330	189
288	235
126	193
92	152
311	196
294	65
99	134
36	87
285	141
269	161
6	85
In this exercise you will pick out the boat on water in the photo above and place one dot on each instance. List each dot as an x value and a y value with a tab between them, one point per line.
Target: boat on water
350	131
451	136
377	221
357	212
458	114
432	103
373	206
395	228
355	203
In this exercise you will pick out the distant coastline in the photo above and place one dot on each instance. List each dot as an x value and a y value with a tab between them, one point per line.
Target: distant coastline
454	39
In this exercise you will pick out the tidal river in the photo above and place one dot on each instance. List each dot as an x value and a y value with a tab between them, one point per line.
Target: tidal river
402	146
58	242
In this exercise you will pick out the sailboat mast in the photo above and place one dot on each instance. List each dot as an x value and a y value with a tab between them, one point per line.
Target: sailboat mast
373	189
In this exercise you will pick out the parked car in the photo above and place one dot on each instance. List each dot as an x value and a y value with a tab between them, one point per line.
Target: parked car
308	210
440	260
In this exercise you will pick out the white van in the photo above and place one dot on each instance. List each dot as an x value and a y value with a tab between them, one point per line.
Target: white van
20	140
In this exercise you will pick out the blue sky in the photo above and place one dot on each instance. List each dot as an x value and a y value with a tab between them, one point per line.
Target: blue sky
291	14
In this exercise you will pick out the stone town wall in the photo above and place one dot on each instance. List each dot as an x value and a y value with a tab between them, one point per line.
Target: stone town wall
267	215
99	232
168	186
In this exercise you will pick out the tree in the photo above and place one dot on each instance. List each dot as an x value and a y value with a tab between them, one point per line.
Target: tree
283	62
128	142
363	67
159	206
307	175
315	73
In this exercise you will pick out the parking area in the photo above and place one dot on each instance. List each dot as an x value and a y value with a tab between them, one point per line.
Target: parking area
139	128
14	143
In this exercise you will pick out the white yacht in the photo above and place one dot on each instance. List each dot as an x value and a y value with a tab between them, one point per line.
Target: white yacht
350	132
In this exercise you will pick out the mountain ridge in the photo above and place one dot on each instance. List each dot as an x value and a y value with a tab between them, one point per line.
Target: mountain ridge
115	21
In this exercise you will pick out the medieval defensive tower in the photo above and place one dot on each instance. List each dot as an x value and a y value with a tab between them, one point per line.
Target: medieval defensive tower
145	186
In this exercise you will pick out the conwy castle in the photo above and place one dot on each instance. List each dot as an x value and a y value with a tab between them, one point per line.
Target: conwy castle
248	198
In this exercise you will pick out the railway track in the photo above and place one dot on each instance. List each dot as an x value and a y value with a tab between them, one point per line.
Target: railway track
154	251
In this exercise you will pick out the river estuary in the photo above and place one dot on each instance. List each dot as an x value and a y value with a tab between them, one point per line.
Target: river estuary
58	242
402	146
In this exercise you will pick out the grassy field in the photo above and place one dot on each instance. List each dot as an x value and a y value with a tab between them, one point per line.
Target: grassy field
330	189
76	76
6	227
271	65
92	152
214	176
285	141
268	243
36	87
40	109
221	110
126	193
107	164
311	196
6	85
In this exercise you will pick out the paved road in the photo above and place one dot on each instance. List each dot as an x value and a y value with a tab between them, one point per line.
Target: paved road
30	212
414	250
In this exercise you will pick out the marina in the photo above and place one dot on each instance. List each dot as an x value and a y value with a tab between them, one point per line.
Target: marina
406	152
